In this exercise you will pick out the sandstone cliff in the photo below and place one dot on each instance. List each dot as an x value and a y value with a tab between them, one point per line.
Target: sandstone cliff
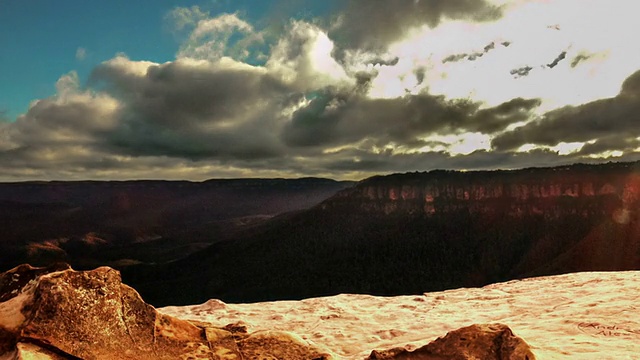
552	192
417	232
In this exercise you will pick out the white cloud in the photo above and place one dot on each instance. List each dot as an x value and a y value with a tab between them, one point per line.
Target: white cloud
607	29
460	144
183	17
122	63
562	148
303	58
210	40
68	84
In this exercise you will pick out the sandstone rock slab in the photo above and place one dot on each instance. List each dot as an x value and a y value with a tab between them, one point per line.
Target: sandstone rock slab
487	342
58	313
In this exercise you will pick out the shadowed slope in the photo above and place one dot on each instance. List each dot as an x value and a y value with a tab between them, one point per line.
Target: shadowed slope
96	223
410	233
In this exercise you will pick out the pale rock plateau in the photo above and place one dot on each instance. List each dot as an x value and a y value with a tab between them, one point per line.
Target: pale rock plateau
581	316
57	313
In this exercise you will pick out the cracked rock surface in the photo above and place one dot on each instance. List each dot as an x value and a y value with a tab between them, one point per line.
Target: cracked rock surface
57	313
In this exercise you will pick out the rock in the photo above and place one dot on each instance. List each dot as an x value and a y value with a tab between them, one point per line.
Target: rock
58	313
487	342
279	345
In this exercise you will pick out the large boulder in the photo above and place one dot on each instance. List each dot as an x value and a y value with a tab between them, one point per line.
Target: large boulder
487	342
58	313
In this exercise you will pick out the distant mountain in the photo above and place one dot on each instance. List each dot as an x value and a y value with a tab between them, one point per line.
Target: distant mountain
417	232
91	223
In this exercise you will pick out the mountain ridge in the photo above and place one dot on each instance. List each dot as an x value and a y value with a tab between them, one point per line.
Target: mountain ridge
409	233
140	221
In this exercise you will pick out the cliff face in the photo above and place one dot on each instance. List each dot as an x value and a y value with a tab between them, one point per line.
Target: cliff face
580	189
410	233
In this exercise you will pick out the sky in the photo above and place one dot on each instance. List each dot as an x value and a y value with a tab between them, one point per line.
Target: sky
335	88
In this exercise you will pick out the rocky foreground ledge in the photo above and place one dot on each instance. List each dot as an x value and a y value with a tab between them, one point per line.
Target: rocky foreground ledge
59	313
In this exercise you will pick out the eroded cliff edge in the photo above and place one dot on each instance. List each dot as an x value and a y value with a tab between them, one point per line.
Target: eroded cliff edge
416	232
552	192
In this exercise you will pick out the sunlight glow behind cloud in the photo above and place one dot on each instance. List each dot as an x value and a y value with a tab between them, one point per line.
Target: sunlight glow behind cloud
458	84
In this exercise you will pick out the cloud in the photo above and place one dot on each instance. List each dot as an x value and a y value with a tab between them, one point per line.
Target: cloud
580	58
361	163
609	144
374	24
455	58
211	38
181	18
520	72
60	132
338	118
557	60
194	109
199	118
72	117
600	120
473	56
81	53
304	59
498	118
525	70
384	86
182	112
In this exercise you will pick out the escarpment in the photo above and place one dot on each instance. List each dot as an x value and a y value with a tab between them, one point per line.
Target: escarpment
584	190
416	232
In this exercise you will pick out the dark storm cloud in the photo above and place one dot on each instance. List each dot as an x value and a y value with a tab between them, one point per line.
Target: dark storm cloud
333	119
471	57
373	24
387	162
385	62
498	118
610	143
480	54
49	121
176	94
616	118
147	119
194	110
525	70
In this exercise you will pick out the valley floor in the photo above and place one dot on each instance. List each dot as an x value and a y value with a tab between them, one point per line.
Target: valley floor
594	315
